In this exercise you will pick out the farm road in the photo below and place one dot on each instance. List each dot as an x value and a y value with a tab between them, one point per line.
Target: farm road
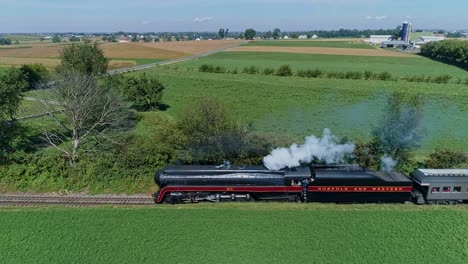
167	62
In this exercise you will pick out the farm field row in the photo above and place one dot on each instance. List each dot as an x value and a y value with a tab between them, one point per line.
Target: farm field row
325	50
300	106
236	233
311	43
414	65
113	63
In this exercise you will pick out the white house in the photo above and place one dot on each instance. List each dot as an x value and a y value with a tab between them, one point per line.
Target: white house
302	36
286	37
378	39
314	36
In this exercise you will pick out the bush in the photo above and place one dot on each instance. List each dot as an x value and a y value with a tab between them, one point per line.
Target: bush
368	75
384	76
353	75
444	158
268	71
219	69
309	73
145	92
250	70
284	70
84	58
35	74
442	78
206	68
234	71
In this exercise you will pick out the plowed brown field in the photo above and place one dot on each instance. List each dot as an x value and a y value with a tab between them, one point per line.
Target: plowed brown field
327	51
192	47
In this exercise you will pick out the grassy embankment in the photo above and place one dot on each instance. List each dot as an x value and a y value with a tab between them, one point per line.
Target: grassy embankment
236	233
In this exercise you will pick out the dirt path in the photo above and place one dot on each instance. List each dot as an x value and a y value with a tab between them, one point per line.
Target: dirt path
327	51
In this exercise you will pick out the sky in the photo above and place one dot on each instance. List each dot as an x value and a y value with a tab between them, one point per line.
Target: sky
237	15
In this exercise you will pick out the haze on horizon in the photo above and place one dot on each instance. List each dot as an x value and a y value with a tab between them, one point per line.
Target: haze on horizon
203	15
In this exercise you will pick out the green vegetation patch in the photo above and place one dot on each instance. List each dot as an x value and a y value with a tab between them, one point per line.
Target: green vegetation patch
236	233
300	106
311	43
140	61
397	66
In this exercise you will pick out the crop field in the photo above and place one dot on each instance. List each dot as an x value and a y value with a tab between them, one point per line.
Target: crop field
312	43
122	54
236	233
300	106
324	50
414	65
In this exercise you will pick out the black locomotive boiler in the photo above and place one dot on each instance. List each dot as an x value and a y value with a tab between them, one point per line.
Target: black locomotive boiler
180	184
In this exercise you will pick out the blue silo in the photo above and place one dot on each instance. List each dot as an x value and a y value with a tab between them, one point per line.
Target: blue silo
406	32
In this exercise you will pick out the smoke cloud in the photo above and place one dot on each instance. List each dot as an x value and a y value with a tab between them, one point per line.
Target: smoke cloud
387	163
325	148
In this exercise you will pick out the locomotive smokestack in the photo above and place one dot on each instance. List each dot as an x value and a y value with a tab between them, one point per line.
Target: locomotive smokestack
325	148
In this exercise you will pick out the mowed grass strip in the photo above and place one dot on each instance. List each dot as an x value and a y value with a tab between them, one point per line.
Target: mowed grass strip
414	65
300	106
311	43
238	233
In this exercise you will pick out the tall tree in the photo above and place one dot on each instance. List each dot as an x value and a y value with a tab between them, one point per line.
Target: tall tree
250	34
221	33
12	83
145	92
268	35
56	39
84	58
83	111
276	33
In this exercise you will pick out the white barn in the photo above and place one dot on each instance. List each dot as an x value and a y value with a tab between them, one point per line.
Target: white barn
378	39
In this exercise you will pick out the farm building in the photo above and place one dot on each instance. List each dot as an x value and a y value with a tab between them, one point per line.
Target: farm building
395	44
124	40
314	36
302	36
427	39
378	39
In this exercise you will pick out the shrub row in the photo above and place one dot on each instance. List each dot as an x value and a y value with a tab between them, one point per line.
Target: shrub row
449	51
285	70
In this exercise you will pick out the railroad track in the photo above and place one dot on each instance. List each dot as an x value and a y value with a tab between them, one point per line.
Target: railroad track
73	200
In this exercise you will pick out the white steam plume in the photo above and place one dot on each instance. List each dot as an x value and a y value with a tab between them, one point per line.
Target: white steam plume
325	148
387	163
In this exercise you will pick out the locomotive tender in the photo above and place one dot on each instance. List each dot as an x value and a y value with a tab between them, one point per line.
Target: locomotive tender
342	184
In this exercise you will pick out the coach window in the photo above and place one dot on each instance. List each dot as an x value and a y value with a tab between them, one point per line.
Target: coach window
456	189
435	189
446	189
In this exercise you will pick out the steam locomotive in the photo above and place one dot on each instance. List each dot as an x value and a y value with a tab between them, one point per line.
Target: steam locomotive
339	184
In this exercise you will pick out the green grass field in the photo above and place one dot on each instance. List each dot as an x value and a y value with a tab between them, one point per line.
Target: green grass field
395	65
236	233
311	43
300	106
141	61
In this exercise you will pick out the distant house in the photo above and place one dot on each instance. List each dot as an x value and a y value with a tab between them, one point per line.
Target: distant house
427	39
286	37
124	40
197	39
302	36
314	36
378	39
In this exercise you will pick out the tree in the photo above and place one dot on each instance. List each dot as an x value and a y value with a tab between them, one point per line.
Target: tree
74	39
398	133
226	32
276	33
396	33
212	135
84	58
56	39
444	158
35	74
144	92
5	41
147	38
134	38
83	111
221	33
12	84
268	35
250	34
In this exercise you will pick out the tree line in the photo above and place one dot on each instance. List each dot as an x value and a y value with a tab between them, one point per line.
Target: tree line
451	51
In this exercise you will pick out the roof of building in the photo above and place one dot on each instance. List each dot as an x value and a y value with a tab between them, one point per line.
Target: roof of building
395	42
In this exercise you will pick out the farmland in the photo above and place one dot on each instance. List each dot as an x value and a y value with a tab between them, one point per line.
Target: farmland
132	53
394	65
236	233
300	106
311	43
